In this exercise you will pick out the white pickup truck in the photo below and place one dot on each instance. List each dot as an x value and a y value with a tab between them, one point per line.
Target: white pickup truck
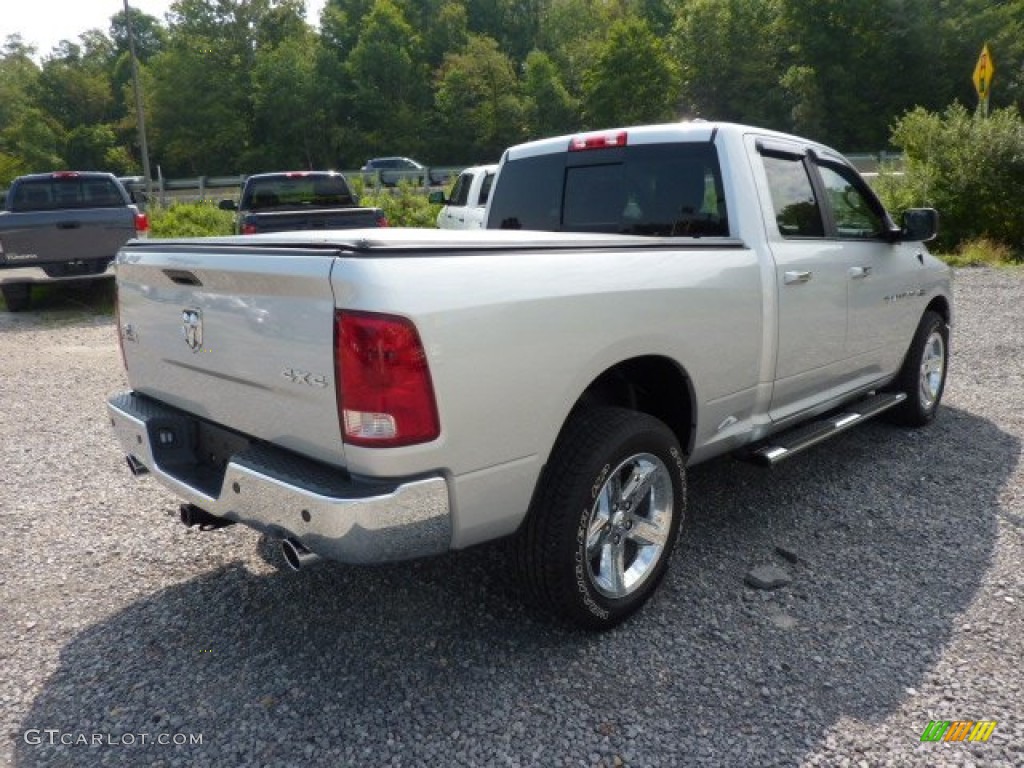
376	395
467	205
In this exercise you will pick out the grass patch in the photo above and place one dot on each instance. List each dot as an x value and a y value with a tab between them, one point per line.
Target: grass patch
983	252
203	219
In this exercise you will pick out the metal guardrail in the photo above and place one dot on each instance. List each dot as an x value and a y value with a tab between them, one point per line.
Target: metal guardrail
216	188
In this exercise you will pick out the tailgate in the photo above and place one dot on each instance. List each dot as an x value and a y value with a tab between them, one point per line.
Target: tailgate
292	221
242	337
58	236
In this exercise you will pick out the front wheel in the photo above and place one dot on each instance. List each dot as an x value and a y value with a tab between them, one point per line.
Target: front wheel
923	375
605	517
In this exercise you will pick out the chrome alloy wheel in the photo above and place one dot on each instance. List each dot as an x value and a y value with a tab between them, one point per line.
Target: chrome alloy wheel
629	525
933	364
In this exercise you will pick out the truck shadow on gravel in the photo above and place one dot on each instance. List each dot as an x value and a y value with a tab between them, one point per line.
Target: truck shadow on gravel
437	662
63	304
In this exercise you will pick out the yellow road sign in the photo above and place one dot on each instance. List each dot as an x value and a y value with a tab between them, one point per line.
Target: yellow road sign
983	72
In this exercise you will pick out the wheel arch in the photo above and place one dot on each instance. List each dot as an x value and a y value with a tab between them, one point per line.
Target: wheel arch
941	306
651	384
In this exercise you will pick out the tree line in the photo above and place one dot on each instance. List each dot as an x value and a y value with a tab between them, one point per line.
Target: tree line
241	86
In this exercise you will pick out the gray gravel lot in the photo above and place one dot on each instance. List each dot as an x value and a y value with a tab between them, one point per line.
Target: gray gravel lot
119	625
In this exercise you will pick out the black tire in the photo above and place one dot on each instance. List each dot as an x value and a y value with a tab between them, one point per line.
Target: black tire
580	556
17	296
923	375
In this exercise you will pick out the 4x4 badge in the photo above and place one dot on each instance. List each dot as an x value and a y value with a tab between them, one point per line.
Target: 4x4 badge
192	328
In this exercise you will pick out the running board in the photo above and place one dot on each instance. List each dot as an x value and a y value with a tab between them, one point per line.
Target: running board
786	444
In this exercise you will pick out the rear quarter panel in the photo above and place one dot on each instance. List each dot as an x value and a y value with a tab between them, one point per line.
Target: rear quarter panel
514	339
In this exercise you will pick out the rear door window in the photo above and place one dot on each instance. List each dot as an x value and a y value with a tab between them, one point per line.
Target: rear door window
797	212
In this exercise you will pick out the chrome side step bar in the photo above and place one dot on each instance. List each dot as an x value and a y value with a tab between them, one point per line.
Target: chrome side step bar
786	444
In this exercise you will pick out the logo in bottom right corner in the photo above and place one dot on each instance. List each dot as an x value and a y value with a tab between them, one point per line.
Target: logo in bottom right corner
958	730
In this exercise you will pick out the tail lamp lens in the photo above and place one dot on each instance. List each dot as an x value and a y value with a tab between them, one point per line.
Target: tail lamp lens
385	394
141	225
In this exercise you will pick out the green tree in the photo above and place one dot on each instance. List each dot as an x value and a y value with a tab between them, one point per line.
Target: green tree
514	24
727	51
479	107
284	85
571	33
633	79
389	86
30	139
549	109
75	88
848	68
200	86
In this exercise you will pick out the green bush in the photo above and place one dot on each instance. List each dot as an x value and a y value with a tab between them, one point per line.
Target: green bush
981	253
405	205
189	220
970	168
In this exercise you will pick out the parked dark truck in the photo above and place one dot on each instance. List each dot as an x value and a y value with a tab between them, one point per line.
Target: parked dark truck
298	200
60	226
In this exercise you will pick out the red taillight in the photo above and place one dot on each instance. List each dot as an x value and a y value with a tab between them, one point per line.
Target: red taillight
248	229
598	141
385	395
141	225
65	175
382	220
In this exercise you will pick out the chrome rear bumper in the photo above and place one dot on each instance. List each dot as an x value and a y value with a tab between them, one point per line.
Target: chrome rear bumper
287	495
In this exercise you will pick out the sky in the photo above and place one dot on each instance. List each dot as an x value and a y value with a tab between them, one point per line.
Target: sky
44	23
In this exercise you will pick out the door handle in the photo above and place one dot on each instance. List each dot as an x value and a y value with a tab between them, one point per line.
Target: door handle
791	278
858	273
69	224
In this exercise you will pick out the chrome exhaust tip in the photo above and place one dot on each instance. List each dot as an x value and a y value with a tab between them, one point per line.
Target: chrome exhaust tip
296	555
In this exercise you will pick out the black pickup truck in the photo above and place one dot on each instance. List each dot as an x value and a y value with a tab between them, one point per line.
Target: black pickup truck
66	225
299	200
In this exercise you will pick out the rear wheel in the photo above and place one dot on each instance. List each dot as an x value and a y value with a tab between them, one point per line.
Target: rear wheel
605	517
923	376
17	296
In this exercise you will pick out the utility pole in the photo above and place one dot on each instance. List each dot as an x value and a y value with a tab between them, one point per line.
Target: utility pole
140	115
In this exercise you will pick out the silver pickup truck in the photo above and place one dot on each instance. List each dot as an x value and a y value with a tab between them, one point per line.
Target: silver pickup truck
376	395
63	226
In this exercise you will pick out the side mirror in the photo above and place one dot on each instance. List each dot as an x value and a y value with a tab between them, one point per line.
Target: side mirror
919	225
227	205
436	198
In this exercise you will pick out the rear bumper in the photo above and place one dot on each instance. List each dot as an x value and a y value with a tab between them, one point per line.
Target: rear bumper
36	274
287	495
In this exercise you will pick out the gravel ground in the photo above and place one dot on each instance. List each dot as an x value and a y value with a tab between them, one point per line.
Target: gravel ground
118	625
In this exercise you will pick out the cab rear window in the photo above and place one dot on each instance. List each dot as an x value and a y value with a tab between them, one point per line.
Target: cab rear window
63	193
665	190
297	192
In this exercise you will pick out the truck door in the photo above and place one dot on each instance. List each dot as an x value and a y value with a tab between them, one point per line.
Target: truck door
454	213
883	273
812	276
